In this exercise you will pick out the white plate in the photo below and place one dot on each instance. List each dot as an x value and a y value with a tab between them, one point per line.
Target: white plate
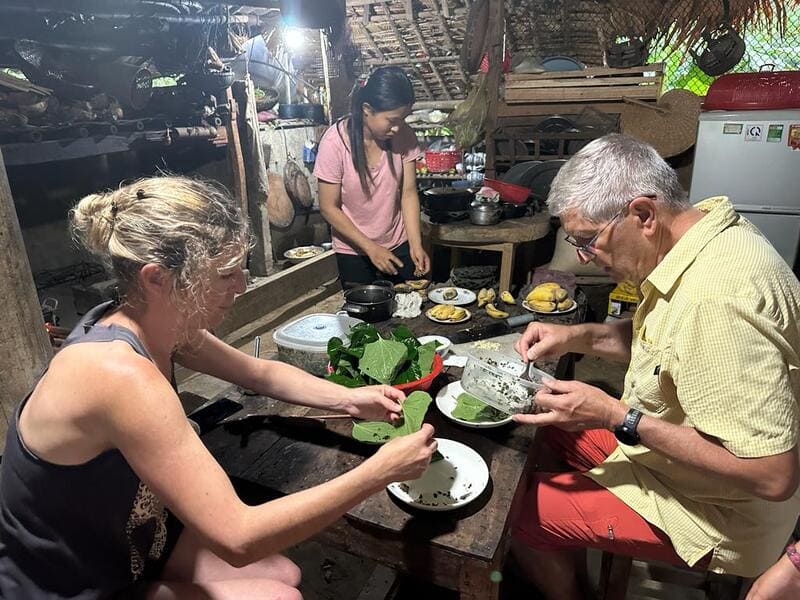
446	403
457	480
444	343
461	320
527	306
463	297
302	253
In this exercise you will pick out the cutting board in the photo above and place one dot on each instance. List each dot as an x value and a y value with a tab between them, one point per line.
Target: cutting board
506	342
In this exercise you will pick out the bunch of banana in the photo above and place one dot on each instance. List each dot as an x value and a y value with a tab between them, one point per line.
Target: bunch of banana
549	297
507	298
485	296
495	312
447	312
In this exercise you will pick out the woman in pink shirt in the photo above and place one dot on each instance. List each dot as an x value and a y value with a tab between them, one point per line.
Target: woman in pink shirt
367	183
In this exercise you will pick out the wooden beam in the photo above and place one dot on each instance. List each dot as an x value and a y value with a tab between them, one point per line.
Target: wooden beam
278	289
445	28
410	60
495	33
427	51
257	185
371	41
24	346
401	42
235	157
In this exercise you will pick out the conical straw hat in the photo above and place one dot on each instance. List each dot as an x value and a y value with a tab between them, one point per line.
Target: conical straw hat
670	125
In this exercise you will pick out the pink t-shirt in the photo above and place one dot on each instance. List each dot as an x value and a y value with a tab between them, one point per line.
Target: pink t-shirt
376	214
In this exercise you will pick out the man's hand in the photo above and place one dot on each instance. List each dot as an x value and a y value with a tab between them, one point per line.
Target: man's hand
422	262
375	403
780	582
384	260
574	406
543	340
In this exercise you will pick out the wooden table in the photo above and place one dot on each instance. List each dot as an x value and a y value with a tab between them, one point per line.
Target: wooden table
459	549
504	237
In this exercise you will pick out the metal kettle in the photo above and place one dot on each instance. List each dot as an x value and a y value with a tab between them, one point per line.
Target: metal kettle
484	213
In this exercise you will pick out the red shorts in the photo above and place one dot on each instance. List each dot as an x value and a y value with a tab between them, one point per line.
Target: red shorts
569	510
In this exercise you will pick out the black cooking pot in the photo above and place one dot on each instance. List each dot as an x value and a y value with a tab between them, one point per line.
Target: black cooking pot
447	199
370	303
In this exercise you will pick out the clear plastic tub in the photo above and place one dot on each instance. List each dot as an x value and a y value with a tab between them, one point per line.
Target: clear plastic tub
501	381
304	342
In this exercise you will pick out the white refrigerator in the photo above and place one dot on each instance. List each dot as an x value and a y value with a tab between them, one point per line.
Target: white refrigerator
753	157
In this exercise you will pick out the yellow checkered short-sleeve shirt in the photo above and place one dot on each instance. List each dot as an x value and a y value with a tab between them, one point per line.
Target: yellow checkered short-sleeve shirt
716	346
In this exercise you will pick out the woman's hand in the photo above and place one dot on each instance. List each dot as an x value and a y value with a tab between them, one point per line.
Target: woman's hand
375	403
780	582
422	262
406	457
574	406
384	260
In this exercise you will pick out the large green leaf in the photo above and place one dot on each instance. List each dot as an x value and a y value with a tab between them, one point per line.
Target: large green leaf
382	359
470	408
426	352
374	432
414	409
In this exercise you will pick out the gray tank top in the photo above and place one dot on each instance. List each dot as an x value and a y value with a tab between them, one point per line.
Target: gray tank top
84	531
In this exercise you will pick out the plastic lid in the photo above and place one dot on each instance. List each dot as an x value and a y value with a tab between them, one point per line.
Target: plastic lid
312	332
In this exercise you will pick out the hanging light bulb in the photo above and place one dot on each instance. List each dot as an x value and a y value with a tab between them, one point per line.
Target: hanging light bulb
294	37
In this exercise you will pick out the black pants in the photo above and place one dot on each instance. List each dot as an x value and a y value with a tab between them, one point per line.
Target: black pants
357	269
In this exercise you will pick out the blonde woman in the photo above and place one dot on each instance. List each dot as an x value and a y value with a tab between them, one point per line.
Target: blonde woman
105	488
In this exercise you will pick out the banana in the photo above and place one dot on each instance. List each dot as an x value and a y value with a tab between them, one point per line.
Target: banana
548	285
542	306
561	294
507	297
541	295
482	297
441	311
485	296
457	314
565	304
494	312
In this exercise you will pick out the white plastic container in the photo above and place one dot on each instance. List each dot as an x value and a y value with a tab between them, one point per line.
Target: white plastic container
304	342
499	380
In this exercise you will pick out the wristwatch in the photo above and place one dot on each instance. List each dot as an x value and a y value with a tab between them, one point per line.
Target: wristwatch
626	431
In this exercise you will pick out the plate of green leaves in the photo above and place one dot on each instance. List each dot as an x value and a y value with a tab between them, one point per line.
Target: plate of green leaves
455	480
467	410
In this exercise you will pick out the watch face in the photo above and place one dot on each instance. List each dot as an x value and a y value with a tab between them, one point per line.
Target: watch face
626	436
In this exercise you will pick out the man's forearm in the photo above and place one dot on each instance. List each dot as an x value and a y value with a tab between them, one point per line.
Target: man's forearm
607	340
772	478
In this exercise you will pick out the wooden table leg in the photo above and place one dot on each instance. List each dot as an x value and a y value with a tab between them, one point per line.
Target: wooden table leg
506	266
476	583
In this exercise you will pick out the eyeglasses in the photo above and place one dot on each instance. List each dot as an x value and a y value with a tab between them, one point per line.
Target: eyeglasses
585	251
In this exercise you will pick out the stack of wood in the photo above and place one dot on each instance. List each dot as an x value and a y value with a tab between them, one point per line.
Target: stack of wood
595	84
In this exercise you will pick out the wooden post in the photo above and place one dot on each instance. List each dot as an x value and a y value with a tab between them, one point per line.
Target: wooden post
24	346
496	49
254	168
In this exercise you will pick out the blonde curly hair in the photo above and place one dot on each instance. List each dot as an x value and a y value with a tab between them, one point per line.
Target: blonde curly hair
187	226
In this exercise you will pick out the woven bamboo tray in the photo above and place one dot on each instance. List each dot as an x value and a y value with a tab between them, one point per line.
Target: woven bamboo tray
595	84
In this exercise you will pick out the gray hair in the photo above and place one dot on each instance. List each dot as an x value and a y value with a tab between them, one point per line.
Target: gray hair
610	171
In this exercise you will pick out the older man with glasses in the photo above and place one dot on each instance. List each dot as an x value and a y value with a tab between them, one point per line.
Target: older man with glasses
697	462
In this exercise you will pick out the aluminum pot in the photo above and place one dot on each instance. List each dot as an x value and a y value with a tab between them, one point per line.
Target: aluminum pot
371	303
485	213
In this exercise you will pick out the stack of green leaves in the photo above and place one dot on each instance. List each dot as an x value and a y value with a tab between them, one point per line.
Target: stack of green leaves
370	359
469	408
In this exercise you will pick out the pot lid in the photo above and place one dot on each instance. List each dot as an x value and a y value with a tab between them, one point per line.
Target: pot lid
312	332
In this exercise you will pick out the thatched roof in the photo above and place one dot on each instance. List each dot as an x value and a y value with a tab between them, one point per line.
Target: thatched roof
425	36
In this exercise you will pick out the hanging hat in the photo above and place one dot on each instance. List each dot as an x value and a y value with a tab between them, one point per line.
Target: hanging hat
670	125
